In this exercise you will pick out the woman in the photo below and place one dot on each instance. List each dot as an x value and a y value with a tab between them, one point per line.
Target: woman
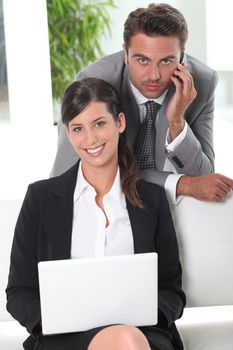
59	215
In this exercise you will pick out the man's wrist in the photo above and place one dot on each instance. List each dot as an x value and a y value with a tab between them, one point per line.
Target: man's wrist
170	188
183	186
175	128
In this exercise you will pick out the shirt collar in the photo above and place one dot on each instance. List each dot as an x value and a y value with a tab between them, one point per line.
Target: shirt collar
140	99
82	184
116	191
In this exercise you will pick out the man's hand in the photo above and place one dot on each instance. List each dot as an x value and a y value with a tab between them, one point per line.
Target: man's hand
184	95
211	187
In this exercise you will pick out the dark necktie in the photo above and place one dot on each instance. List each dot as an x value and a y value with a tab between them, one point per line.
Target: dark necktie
144	148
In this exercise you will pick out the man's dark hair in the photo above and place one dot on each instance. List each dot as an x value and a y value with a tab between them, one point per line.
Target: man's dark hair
156	20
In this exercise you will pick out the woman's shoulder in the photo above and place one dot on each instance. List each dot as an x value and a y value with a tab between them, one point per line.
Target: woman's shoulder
148	186
43	183
57	184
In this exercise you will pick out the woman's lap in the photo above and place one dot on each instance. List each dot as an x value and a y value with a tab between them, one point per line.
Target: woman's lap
157	338
71	341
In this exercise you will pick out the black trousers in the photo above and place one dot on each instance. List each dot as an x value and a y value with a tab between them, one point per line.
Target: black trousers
158	339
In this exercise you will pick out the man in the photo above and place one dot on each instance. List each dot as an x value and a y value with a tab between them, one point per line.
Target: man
177	150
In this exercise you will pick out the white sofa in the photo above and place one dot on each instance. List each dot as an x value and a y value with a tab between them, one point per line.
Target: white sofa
205	236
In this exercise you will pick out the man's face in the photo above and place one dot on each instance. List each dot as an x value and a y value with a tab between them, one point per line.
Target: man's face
151	62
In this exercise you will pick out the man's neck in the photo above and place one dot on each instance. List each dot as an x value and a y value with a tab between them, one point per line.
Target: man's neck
140	99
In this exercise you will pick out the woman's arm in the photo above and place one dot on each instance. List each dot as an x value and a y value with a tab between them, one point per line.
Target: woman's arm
22	290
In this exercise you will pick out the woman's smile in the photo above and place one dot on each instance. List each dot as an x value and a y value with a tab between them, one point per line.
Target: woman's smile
94	134
95	151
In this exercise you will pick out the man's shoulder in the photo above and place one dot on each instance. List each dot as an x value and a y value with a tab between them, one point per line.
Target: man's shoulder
199	69
109	68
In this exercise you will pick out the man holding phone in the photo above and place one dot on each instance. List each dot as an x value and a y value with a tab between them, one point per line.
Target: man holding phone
169	102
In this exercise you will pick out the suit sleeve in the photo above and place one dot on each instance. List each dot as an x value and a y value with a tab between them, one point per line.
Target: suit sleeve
171	298
194	155
22	290
66	156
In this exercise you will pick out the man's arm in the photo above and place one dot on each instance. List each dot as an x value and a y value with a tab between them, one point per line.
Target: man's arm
66	156
195	104
211	187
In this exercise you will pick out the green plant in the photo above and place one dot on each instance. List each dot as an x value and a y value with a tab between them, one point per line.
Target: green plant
75	30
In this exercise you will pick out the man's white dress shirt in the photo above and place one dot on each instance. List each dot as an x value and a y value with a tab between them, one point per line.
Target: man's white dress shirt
172	179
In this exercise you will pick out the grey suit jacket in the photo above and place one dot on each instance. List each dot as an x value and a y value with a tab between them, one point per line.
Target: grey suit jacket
44	230
194	156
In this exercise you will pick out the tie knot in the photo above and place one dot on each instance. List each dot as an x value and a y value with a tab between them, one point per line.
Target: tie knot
152	107
151	110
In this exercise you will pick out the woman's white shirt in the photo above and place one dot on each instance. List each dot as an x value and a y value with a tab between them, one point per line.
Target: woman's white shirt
90	236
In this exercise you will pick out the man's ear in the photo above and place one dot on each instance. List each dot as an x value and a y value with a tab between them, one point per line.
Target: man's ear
125	53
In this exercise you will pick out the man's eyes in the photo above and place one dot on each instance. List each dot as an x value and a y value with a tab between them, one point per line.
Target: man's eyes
143	60
166	61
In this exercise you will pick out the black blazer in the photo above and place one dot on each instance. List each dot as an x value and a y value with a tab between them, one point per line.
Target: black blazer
43	232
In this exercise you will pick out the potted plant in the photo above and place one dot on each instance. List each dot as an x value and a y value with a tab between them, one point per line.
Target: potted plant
75	30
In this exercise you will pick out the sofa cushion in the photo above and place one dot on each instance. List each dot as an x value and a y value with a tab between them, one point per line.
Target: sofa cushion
207	328
12	335
205	239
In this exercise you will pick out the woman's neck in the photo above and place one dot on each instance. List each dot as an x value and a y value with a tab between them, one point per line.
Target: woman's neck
100	178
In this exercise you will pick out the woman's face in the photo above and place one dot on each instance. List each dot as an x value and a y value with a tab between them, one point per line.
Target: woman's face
94	134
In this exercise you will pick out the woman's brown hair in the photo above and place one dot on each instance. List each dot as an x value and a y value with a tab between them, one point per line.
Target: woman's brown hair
76	98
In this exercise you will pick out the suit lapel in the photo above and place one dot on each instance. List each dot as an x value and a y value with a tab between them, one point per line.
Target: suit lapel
131	110
143	228
57	217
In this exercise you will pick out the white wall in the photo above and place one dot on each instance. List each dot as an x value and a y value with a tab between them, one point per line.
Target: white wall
188	8
28	140
219	34
118	17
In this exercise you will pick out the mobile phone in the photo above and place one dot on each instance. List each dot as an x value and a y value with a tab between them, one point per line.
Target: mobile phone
183	58
182	61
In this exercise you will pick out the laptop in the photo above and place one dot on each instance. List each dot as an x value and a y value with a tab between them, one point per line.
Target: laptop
80	294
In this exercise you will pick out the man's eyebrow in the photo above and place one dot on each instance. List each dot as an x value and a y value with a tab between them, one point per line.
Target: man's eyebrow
169	57
139	55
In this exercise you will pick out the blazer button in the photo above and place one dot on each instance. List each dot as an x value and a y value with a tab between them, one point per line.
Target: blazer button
178	162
